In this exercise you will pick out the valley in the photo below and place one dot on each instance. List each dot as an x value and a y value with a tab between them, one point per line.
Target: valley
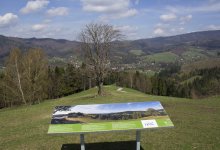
145	54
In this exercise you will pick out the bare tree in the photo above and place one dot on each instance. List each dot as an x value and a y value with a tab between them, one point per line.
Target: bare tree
35	74
25	77
14	73
96	42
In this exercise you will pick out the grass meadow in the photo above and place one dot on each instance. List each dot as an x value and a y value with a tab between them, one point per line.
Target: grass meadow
165	57
197	124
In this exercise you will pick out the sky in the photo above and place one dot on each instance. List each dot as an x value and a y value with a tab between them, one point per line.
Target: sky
111	108
136	19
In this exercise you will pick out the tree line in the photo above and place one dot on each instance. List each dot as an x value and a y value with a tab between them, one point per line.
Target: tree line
29	79
172	82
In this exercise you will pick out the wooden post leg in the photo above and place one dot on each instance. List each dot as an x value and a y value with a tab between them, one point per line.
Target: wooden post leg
82	142
138	142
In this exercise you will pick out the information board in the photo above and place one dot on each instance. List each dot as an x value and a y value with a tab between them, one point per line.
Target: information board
108	117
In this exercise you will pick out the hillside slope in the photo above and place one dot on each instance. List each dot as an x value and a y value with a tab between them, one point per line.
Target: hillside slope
204	40
52	47
196	124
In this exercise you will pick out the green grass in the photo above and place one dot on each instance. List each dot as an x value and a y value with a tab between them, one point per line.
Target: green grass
197	124
136	52
166	57
194	54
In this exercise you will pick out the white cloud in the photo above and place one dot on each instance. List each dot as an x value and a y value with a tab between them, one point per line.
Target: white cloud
185	19
39	27
59	11
213	27
159	32
126	28
181	29
110	9
168	17
104	6
128	13
130	32
118	15
162	29
8	19
178	30
208	7
42	29
33	6
214	7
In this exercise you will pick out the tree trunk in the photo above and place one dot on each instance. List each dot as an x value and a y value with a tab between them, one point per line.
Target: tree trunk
4	96
84	85
19	82
100	88
131	82
90	83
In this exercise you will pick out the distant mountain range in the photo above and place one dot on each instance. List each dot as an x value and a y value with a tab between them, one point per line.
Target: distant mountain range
206	40
52	47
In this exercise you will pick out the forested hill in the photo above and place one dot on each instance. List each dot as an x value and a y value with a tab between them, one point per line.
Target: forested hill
208	40
205	39
52	47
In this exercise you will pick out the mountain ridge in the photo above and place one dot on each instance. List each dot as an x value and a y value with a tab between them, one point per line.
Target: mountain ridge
208	40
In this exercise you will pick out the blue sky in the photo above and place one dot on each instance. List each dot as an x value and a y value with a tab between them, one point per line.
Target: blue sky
63	19
111	108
